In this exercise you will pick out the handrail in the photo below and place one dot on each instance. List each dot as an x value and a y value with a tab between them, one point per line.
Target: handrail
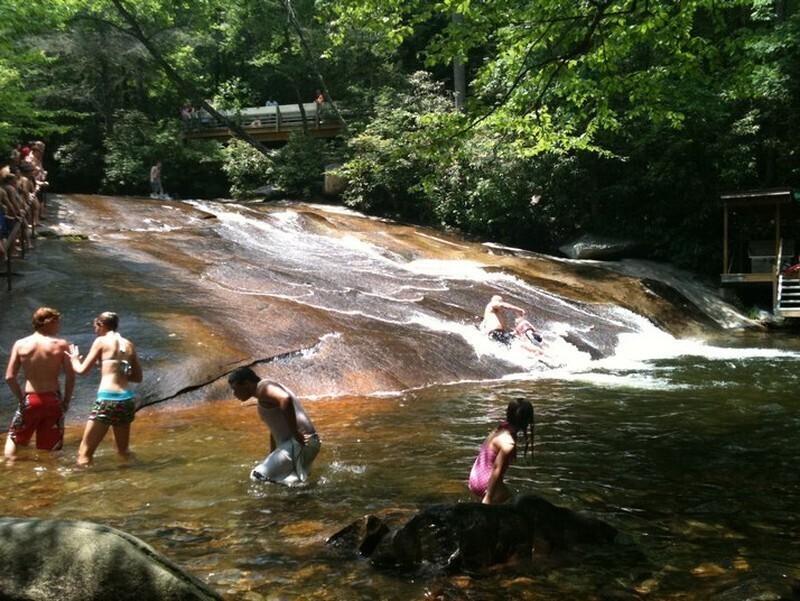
16	233
275	117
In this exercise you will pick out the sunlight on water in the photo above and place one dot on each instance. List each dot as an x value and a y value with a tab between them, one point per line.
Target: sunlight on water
688	447
701	480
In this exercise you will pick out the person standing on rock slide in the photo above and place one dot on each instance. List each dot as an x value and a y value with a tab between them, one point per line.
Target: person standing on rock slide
294	442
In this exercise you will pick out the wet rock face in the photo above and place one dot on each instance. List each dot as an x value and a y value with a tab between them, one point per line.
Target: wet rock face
470	536
597	247
82	561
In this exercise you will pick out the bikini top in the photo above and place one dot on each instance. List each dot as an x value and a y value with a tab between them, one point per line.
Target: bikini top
119	354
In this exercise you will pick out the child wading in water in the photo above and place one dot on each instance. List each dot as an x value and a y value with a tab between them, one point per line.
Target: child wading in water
498	451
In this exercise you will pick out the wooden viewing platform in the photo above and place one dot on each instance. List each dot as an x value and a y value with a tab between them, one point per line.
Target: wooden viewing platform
270	123
761	232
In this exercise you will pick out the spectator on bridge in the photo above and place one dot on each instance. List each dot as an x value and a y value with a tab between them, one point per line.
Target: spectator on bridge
186	117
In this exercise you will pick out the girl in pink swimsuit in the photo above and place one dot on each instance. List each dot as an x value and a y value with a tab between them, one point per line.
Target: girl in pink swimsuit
498	451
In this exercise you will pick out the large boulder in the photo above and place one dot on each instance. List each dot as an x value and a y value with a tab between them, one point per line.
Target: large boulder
470	536
82	561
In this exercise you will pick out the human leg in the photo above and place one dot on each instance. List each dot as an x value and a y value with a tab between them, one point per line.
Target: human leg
23	425
122	437
10	450
501	493
92	437
309	452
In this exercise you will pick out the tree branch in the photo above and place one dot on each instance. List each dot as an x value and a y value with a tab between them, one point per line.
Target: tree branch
184	86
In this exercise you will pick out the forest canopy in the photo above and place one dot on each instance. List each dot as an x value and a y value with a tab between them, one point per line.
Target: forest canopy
526	122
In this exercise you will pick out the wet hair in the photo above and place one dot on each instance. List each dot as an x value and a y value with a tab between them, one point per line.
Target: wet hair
43	316
519	414
108	319
240	375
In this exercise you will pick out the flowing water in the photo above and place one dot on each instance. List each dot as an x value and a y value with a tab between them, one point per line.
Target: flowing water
687	446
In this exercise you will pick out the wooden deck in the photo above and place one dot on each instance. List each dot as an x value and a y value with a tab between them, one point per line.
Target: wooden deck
270	123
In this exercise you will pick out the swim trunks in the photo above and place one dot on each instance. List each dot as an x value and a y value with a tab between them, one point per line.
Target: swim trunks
114	408
40	413
501	336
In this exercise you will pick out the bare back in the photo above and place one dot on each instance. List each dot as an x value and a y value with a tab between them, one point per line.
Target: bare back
492	318
115	355
41	359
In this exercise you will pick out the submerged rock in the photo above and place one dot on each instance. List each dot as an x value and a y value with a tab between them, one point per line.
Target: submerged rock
471	536
82	561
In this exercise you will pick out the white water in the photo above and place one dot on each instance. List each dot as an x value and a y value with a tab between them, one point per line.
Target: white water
302	261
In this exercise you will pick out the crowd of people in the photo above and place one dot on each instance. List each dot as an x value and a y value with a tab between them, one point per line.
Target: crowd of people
23	183
42	359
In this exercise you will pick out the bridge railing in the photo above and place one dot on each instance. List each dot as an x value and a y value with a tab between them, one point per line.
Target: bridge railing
275	118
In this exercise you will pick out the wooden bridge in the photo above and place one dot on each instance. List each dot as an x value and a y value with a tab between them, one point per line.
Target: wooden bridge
269	123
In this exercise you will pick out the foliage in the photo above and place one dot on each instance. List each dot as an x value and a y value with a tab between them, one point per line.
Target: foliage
387	160
136	143
246	168
299	165
615	117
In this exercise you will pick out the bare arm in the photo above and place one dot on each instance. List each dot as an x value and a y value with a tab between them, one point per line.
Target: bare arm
499	468
510	307
275	395
95	353
11	374
136	367
69	375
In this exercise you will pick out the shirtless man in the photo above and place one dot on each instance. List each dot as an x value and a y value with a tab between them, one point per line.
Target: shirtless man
42	357
494	323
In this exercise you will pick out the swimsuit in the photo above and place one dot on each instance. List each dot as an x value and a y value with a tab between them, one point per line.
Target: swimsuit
115	408
482	471
40	413
120	352
501	336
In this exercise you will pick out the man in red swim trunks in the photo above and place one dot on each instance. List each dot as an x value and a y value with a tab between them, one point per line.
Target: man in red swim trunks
42	357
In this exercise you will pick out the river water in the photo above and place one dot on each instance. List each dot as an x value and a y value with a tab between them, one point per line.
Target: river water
687	445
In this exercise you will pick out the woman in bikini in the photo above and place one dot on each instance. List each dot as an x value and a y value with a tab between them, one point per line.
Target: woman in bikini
498	451
114	406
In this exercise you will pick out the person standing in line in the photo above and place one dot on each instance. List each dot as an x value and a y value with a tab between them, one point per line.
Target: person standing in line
294	442
42	358
156	189
498	451
115	406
